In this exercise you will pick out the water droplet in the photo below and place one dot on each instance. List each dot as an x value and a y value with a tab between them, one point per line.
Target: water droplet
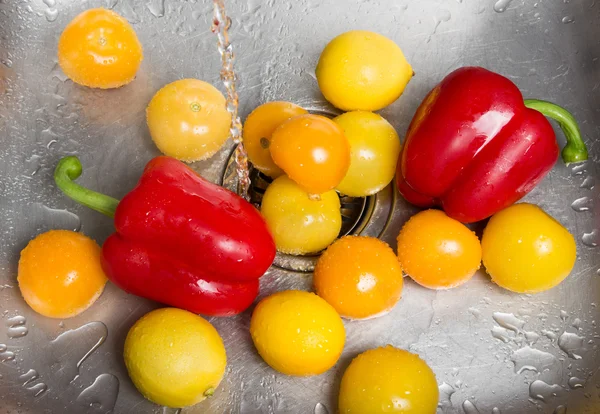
571	344
169	410
475	312
16	327
575	382
539	390
51	14
508	321
7	62
588	183
531	359
55	218
501	5
496	410
590	239
549	334
563	315
321	409
579	168
102	394
28	377
110	4
156	7
500	333
50	3
568	19
561	409
5	354
445	400
469	407
582	204
577	323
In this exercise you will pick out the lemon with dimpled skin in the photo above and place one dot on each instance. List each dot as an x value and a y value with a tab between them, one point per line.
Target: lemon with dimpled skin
388	380
174	357
297	333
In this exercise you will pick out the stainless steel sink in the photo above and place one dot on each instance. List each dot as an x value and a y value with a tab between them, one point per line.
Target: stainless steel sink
490	349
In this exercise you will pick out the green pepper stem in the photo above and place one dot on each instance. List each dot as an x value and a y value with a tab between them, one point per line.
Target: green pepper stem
67	171
575	150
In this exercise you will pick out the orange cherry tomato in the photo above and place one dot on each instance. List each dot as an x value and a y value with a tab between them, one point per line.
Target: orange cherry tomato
313	151
99	49
359	276
259	127
437	251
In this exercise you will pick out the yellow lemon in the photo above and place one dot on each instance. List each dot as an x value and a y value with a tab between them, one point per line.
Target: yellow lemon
388	380
297	333
361	70
526	250
174	357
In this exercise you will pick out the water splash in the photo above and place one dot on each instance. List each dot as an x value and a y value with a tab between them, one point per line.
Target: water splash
542	391
591	239
501	5
16	327
582	204
320	409
571	344
102	394
470	408
530	359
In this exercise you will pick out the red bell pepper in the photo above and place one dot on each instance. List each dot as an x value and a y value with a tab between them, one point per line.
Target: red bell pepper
475	146
180	239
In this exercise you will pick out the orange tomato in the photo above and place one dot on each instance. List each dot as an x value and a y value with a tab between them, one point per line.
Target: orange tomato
60	273
258	129
359	276
437	251
99	49
313	151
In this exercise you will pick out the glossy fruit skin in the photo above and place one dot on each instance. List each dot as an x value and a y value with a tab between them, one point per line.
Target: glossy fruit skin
374	150
313	151
362	70
437	251
188	120
258	129
174	358
525	250
473	147
60	274
297	333
299	224
388	380
359	276
186	242
99	49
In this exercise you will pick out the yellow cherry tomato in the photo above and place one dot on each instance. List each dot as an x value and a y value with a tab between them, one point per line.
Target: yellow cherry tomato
297	333
300	224
437	251
526	250
259	127
361	70
174	357
188	120
60	274
374	151
313	151
99	49
388	380
359	276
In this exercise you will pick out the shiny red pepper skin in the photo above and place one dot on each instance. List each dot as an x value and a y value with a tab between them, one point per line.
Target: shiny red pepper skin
474	148
186	242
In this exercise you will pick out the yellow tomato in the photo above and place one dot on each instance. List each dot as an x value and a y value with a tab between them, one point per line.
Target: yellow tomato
188	120
361	70
300	224
359	276
99	49
526	250
297	333
174	357
60	274
259	127
437	251
374	151
313	151
388	380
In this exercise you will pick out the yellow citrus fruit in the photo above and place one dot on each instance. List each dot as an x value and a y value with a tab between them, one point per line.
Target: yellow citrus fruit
437	251
60	274
174	357
188	120
359	276
388	380
99	49
361	70
297	333
300	224
526	250
374	151
259	127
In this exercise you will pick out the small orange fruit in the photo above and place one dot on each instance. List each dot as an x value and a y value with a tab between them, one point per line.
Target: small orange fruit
99	49
313	151
259	127
359	276
437	251
60	274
